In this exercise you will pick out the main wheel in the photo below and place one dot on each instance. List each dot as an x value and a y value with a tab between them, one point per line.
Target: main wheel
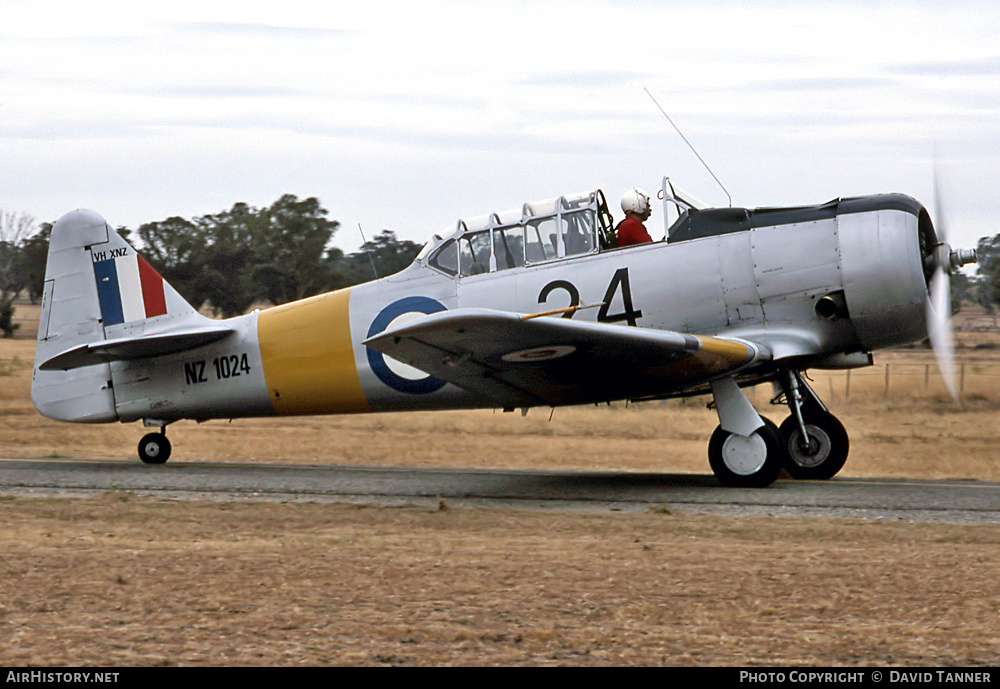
825	453
154	448
745	462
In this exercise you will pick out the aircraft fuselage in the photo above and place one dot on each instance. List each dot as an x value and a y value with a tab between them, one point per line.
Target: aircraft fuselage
764	282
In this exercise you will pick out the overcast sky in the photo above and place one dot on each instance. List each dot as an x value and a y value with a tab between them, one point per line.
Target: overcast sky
410	115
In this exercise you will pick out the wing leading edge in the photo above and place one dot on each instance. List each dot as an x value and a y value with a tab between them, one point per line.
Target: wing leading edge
521	362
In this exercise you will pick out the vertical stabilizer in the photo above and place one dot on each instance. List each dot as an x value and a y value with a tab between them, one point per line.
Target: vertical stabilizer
97	288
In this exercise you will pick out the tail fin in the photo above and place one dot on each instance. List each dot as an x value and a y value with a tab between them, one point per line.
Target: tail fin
102	303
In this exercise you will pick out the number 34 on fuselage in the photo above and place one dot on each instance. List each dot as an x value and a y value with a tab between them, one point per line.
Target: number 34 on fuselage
531	307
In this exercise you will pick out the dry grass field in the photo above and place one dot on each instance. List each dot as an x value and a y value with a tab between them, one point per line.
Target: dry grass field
119	580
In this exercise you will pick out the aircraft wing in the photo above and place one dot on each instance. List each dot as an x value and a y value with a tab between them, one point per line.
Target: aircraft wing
528	361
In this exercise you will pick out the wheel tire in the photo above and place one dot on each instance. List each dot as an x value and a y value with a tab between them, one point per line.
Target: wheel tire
782	455
739	462
830	454
154	448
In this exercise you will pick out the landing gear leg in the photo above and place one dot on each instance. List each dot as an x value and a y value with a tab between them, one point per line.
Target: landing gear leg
814	441
745	450
154	448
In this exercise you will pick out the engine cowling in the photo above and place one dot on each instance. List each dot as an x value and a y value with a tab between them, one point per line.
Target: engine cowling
884	243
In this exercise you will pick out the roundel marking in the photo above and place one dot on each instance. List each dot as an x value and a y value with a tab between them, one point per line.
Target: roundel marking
539	354
396	374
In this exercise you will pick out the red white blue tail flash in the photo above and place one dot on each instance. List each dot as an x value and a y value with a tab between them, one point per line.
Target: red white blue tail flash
129	289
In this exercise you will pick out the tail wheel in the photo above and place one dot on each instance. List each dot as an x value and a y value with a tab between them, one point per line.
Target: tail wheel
753	461
154	448
825	452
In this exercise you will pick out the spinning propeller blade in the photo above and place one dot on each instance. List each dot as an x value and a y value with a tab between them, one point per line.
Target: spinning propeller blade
939	326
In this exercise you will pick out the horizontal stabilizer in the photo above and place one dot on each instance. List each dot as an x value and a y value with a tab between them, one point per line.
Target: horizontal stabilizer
129	348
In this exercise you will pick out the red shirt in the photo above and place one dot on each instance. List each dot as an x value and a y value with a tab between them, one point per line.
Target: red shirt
631	231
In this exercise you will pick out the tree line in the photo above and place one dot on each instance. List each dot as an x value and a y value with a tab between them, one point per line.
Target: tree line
226	261
231	260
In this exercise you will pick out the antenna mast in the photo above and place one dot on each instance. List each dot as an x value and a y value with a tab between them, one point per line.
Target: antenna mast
689	145
364	245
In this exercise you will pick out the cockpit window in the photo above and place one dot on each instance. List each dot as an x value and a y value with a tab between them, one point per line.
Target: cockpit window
508	247
579	233
445	259
540	239
540	231
474	253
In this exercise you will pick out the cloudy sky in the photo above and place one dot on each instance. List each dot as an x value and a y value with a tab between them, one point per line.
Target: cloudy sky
409	115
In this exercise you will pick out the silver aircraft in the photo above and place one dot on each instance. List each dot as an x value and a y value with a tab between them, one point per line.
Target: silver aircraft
518	309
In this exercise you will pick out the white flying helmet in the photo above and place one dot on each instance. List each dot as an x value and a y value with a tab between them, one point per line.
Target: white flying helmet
636	201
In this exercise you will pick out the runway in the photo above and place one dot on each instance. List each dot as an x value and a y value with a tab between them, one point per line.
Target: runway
913	500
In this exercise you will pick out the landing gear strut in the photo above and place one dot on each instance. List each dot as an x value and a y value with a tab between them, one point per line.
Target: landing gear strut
154	448
814	441
749	451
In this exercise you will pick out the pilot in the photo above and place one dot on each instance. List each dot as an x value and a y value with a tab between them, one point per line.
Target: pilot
635	203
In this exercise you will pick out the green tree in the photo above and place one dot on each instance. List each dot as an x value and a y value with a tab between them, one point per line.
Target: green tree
290	249
15	229
175	248
206	259
281	253
389	254
988	272
237	257
963	289
226	262
34	253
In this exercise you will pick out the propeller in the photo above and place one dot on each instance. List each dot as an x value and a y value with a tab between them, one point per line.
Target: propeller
945	261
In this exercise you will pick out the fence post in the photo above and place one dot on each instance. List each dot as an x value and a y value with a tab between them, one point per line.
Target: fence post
886	394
